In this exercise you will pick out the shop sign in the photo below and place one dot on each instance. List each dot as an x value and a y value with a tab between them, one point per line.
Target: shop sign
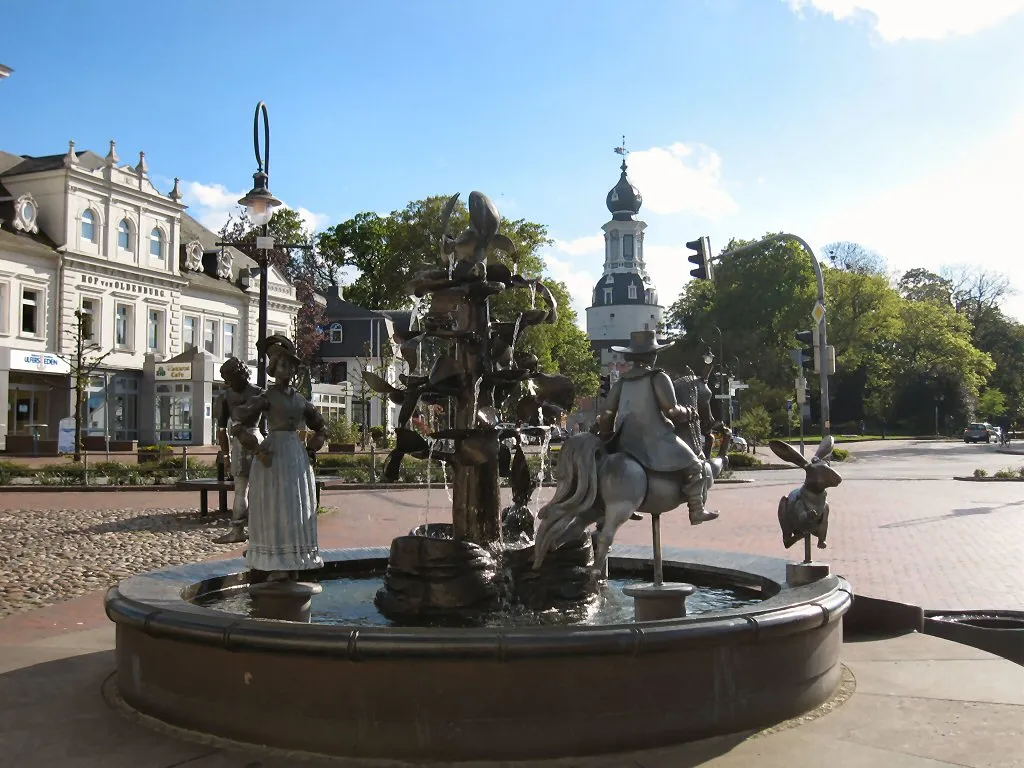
66	435
44	362
179	371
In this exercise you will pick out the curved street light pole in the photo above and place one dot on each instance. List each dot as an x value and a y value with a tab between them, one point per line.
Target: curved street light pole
264	165
826	424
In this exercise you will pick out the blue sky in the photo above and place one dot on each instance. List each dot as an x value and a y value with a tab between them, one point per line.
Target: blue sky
895	123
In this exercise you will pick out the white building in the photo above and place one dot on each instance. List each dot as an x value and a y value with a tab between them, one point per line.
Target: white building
164	304
624	299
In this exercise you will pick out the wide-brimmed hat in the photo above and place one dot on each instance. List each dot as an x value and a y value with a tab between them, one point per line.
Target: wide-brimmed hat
642	342
278	345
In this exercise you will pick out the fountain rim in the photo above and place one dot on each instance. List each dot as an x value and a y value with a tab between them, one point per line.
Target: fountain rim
156	603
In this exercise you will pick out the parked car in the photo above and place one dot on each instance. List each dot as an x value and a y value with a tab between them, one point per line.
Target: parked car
739	444
979	431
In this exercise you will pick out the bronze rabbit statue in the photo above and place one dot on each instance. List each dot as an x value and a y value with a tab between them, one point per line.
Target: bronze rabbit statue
804	512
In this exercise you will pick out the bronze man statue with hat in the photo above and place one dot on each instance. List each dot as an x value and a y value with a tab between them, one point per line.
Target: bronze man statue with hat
641	418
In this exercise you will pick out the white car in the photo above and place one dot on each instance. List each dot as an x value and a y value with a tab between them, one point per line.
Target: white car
739	444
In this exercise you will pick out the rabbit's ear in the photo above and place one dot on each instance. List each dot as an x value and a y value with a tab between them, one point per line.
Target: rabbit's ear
787	452
825	448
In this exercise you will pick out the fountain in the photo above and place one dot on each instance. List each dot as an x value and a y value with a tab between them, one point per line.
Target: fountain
468	639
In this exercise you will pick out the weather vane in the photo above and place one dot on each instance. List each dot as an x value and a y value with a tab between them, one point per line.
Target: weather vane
621	149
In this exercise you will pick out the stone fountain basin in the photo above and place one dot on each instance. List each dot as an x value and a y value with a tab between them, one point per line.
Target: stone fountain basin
482	693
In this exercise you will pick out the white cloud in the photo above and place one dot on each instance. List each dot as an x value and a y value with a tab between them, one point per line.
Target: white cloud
967	210
568	261
212	204
668	268
682	178
590	244
917	19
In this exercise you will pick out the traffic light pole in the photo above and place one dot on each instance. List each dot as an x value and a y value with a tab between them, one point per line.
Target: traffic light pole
826	424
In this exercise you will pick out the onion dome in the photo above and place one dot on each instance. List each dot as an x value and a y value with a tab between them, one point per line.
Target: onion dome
624	199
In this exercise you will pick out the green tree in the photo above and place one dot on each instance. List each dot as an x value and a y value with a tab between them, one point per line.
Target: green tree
303	267
920	284
992	403
755	425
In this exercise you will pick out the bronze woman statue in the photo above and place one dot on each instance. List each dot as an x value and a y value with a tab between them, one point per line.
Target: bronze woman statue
282	488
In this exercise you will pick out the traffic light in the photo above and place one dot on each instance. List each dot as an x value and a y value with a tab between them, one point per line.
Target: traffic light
606	384
702	258
808	351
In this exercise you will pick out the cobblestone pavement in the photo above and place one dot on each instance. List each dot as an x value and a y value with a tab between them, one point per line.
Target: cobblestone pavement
48	555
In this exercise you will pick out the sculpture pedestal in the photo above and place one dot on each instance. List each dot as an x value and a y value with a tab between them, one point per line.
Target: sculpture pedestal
653	602
284	600
805	573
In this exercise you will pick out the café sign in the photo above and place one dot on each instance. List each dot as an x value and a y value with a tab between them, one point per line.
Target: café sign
42	362
178	371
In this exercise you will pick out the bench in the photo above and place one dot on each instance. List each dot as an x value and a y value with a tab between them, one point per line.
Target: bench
206	484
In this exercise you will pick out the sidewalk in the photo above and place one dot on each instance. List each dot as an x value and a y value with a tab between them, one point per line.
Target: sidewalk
913	702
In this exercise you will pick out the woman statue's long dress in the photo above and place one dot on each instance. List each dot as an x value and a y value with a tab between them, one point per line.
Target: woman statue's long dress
282	488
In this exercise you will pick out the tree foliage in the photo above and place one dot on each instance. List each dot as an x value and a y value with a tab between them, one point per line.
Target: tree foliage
903	349
305	268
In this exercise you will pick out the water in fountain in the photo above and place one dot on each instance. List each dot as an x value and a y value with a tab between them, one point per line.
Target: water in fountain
444	479
425	518
545	449
348	601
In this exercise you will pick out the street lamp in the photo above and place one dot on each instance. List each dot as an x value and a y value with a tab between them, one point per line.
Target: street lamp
260	206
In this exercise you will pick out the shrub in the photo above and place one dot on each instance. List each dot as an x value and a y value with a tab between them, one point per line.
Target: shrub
1006	474
840	454
10	470
981	473
738	460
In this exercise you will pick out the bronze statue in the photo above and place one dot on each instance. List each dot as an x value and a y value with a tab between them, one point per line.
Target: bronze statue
239	392
282	489
636	463
804	512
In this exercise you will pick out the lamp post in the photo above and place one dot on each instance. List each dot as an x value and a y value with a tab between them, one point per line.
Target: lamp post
260	205
724	395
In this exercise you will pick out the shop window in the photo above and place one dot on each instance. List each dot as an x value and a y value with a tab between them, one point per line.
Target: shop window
156	244
124	236
336	334
123	326
5	305
229	339
155	331
88	226
90	310
174	412
188	332
31	311
210	336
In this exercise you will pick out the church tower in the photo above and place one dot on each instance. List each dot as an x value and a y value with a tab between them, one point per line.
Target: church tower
625	299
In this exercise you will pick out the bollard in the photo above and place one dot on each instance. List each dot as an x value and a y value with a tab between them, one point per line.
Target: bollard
184	462
373	463
85	467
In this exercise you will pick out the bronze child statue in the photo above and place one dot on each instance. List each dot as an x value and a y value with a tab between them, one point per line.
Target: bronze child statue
240	391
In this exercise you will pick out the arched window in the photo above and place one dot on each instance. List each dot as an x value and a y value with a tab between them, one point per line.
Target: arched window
156	243
89	226
124	236
336	334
